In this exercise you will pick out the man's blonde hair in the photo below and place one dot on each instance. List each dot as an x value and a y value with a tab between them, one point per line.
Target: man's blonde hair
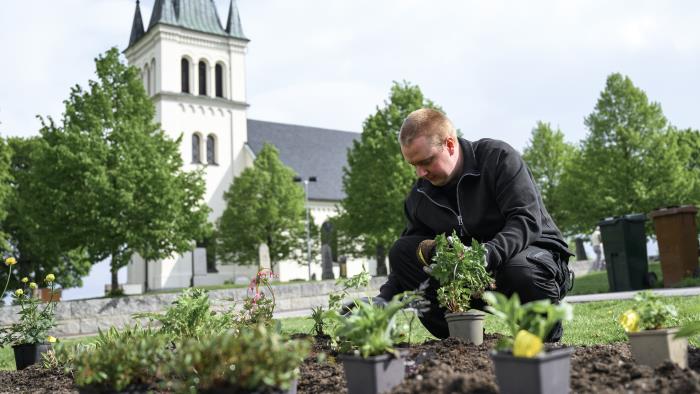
426	122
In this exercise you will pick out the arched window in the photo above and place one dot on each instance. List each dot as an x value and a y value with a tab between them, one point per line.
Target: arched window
148	80
195	149
202	78
219	71
211	149
185	75
154	76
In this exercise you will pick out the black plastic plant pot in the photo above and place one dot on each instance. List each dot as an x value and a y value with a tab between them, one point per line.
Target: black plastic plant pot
29	354
372	375
547	373
467	325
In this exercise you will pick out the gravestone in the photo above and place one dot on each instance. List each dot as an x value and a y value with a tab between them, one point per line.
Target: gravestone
343	262
264	256
327	262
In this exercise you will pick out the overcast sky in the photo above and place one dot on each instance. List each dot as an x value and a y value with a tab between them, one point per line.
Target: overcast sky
496	67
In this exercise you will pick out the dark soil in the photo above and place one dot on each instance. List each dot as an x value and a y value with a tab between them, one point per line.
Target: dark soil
448	366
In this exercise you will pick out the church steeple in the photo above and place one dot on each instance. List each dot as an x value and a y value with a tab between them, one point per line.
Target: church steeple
233	24
163	12
137	26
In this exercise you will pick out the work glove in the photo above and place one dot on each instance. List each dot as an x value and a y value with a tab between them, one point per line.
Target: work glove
426	251
347	308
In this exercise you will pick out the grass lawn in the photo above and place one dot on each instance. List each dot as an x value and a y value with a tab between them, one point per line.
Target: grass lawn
597	282
594	322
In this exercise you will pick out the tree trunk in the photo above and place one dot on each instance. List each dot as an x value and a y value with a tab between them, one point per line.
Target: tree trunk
115	278
145	278
381	260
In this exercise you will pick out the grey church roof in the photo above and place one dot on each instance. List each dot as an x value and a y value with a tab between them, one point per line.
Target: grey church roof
137	26
197	15
310	151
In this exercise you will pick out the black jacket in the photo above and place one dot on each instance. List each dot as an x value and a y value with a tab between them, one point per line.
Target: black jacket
498	204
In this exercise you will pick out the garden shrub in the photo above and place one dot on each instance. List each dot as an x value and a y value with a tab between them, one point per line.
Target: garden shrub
254	358
190	316
134	356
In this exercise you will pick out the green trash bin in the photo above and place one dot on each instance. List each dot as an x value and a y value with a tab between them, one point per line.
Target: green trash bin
625	247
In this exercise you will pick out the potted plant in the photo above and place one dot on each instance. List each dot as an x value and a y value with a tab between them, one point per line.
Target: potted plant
522	363
29	336
462	276
366	338
647	326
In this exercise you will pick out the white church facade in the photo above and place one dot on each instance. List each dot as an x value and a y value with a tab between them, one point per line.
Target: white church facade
193	67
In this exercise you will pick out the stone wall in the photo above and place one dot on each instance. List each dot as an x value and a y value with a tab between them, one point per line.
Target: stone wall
85	317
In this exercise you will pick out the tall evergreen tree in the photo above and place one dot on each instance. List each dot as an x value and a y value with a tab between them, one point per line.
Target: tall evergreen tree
376	179
112	181
263	205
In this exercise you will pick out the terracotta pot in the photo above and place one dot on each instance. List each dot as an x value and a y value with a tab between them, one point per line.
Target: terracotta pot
29	354
467	325
652	347
372	375
547	373
44	294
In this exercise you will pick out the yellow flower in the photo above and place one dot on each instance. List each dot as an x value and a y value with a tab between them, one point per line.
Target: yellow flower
19	292
526	344
33	285
10	261
25	280
51	339
630	321
50	278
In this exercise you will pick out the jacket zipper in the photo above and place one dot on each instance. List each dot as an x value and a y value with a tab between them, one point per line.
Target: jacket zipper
462	230
459	210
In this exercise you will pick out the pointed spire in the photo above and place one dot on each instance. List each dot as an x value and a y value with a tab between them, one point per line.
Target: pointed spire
136	27
233	24
163	12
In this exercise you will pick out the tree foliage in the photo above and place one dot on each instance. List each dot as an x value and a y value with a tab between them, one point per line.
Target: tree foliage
36	248
376	179
111	180
546	155
263	205
6	188
632	160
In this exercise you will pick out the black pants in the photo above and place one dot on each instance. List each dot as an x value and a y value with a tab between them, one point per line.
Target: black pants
534	274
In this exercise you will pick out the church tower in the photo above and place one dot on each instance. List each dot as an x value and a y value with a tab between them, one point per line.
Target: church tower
193	67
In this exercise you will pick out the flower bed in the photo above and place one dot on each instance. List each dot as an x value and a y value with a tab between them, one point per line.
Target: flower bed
194	349
450	365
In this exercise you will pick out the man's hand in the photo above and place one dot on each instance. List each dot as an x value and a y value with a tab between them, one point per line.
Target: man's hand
426	251
347	308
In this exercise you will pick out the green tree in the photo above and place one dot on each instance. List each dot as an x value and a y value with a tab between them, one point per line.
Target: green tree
263	205
632	160
5	184
688	141
376	179
546	155
111	180
35	248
